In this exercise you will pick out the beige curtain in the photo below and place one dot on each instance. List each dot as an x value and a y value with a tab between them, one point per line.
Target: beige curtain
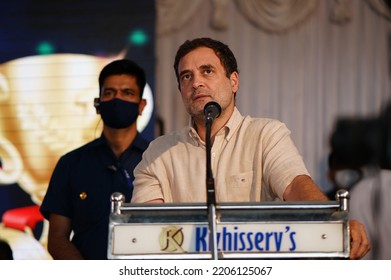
304	62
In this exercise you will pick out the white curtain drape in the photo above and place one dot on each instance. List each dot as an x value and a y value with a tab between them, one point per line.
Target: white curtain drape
304	62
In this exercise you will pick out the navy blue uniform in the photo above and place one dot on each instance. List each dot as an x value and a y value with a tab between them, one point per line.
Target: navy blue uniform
81	186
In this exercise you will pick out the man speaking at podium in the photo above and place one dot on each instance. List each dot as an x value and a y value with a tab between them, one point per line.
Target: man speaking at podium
253	159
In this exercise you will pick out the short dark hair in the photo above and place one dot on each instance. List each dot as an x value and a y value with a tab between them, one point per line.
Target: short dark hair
124	66
223	52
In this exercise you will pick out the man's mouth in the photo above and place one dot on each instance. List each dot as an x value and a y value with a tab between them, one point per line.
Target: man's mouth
200	96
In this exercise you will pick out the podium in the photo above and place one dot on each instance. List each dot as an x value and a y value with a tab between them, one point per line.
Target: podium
266	230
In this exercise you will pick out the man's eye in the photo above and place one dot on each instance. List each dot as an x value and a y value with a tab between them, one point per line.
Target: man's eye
129	92
208	71
186	77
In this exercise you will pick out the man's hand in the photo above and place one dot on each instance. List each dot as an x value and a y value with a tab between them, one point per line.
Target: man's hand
359	242
303	188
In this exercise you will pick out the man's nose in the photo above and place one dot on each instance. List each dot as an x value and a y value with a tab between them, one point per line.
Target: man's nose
198	81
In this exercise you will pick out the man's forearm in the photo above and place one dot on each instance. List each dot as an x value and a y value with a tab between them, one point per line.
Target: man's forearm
303	188
63	250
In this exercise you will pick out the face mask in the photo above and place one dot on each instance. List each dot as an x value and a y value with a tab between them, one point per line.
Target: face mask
117	113
347	178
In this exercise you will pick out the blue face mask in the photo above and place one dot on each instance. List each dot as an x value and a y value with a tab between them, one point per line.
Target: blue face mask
117	113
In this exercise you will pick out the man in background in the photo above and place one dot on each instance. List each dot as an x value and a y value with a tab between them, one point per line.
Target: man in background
77	202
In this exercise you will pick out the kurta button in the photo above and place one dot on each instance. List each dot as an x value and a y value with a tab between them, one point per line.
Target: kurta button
83	195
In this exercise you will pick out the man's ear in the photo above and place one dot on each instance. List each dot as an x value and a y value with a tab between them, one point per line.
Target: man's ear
234	79
141	107
97	104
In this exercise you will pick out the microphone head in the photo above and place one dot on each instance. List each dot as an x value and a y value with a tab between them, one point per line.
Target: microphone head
212	110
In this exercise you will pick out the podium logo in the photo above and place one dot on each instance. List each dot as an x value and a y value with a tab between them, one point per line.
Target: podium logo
171	239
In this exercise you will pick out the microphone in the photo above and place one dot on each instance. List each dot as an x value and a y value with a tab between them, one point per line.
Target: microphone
211	111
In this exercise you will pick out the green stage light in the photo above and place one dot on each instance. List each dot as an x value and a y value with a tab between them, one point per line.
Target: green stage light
45	48
138	37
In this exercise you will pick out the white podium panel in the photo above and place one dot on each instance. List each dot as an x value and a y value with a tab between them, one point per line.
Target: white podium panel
277	230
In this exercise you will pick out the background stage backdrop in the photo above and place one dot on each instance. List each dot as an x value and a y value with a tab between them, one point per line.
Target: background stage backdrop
51	53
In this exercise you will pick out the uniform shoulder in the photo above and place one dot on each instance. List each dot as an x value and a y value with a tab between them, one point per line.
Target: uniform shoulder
84	148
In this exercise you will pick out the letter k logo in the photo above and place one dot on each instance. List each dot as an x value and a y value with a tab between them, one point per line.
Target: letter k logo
171	239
